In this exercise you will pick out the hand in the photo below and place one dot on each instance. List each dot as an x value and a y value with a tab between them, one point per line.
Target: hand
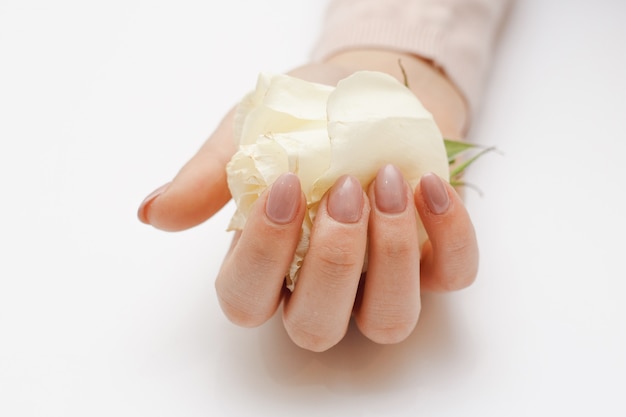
386	302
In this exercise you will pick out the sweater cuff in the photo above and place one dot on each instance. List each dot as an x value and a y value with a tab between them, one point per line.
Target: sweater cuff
458	39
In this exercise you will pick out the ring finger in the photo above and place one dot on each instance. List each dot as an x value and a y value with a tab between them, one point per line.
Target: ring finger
390	305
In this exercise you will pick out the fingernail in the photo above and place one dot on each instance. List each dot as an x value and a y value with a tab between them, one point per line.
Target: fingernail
284	199
345	200
144	207
435	193
389	190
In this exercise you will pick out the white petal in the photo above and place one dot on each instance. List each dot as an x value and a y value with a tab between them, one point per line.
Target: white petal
308	154
280	104
298	98
374	120
373	95
321	133
250	171
362	148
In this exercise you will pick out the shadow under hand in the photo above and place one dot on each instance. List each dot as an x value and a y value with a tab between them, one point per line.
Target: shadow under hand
357	365
264	367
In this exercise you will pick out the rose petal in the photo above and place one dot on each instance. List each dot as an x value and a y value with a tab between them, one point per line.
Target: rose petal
373	95
321	133
250	171
374	120
280	104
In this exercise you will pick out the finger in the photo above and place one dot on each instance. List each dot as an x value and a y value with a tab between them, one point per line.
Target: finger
317	313
450	256
250	282
199	189
390	305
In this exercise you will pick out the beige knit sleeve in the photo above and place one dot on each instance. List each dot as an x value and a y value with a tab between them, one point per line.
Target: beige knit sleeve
458	35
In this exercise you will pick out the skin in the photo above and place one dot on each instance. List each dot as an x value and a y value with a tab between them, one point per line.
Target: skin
384	301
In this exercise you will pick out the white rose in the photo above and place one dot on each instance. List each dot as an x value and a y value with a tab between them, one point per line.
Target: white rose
320	133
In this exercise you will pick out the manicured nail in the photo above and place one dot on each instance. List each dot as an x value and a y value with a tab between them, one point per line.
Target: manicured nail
284	199
435	193
144	207
389	190
345	200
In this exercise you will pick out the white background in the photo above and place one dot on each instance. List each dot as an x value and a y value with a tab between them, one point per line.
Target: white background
100	102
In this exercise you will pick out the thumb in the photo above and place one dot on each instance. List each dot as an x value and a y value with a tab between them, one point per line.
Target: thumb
199	189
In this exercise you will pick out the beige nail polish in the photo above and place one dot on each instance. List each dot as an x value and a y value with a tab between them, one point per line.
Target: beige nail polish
345	200
144	207
284	199
389	189
435	193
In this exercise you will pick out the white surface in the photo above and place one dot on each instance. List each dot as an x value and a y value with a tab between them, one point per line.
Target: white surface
101	315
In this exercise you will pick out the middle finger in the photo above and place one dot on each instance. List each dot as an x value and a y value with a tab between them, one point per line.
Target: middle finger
317	313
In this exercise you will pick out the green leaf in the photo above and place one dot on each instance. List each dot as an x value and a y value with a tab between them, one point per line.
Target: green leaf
455	147
457	184
460	168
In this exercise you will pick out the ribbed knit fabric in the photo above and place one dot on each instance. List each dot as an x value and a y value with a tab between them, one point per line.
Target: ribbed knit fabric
457	35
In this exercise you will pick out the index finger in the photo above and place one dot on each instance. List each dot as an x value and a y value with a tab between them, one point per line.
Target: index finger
199	189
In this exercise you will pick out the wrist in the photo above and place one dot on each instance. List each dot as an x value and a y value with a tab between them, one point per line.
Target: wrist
436	92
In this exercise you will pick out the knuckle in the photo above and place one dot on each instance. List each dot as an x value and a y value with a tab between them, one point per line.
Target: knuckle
262	258
461	269
311	335
337	261
387	327
456	262
456	278
242	310
459	247
388	335
398	249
